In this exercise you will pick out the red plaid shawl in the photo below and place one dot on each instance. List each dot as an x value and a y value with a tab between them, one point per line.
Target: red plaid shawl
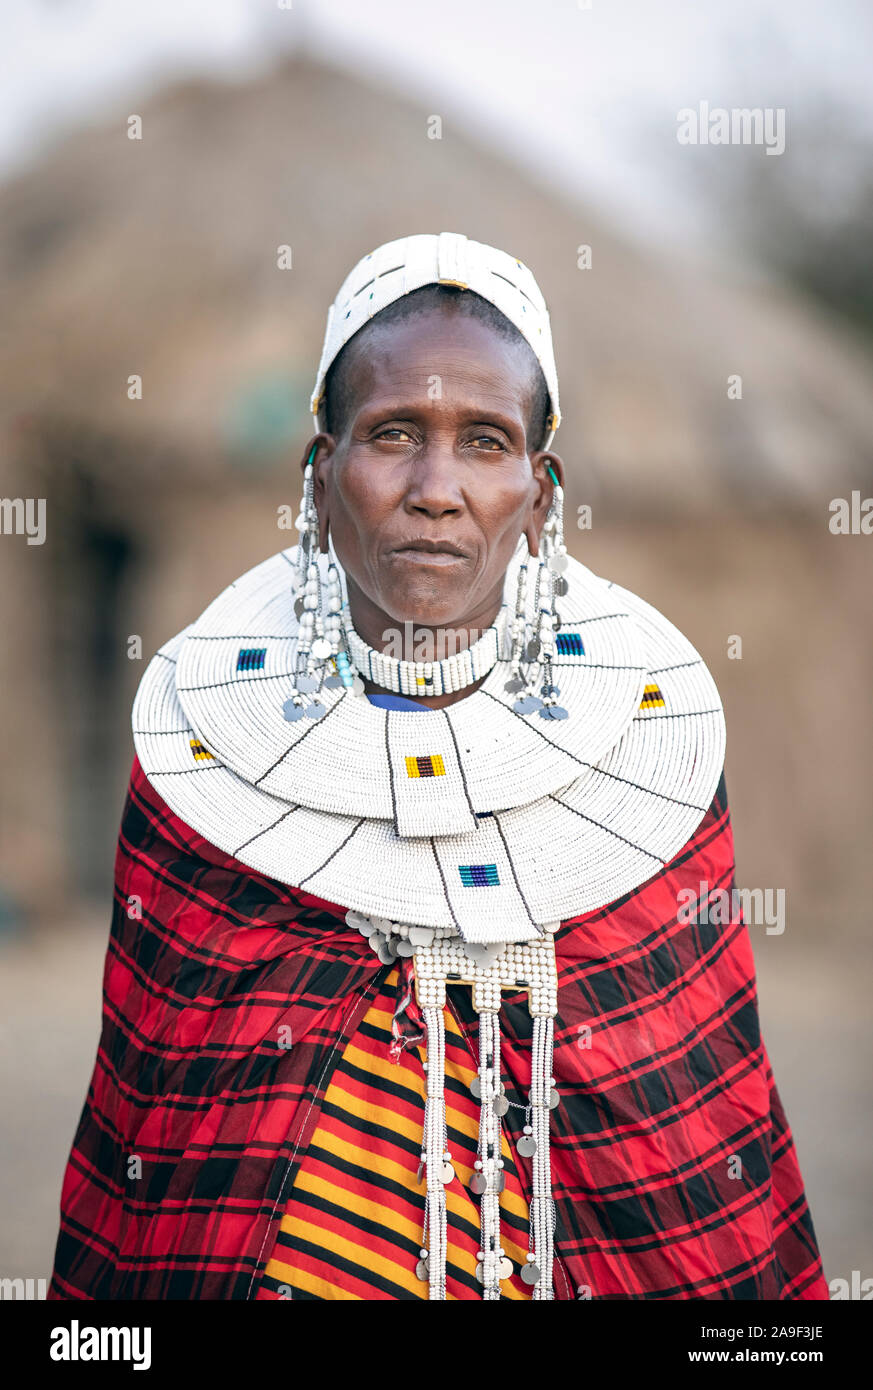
674	1087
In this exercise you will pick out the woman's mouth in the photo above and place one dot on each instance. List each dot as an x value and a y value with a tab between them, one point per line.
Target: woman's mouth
417	556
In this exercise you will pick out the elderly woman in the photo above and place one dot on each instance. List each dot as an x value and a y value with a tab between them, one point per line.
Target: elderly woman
403	998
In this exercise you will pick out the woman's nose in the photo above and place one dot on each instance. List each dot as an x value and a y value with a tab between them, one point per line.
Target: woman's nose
435	484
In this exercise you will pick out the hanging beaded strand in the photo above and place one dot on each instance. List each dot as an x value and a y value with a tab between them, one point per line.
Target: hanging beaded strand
516	682
312	643
319	611
488	1181
433	1156
543	1099
533	642
554	562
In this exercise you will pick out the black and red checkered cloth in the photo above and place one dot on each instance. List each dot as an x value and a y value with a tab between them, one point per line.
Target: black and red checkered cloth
228	999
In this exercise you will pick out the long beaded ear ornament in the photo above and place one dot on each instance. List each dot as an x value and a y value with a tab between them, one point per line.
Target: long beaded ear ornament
322	658
533	641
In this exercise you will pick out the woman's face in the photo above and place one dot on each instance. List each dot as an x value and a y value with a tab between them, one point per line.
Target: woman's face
433	452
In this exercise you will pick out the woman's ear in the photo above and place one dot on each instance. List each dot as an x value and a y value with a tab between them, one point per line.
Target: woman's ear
548	471
319	452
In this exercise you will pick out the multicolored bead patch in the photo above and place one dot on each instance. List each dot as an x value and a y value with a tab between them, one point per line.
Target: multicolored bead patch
652	698
251	658
479	875
569	644
429	765
201	754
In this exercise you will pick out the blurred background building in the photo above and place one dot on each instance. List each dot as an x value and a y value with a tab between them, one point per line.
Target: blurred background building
309	129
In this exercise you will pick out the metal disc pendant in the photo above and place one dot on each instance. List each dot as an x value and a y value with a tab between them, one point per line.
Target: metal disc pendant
333	682
505	1268
315	710
527	704
306	684
485	955
422	1270
480	1272
421	936
405	947
292	711
526	1146
478	1184
560	585
501	1105
298	608
532	650
552	1100
553	712
321	648
499	1181
476	1088
513	686
447	1173
530	1273
386	955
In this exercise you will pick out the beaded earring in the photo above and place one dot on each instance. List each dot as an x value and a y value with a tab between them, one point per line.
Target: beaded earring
533	639
322	649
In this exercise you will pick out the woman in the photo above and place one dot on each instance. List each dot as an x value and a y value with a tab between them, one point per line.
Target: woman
399	999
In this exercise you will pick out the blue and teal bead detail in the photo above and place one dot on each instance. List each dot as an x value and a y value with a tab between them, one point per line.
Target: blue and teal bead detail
251	658
569	644
479	875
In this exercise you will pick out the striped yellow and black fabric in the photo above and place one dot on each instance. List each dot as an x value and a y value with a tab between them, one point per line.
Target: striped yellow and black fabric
353	1226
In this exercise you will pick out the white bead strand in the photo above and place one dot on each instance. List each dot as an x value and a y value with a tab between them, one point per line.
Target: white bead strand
541	1206
434	1148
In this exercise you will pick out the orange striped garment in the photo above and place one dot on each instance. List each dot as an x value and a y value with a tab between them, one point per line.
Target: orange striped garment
353	1226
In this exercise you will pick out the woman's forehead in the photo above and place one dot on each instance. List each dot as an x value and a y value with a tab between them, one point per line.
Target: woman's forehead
436	351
